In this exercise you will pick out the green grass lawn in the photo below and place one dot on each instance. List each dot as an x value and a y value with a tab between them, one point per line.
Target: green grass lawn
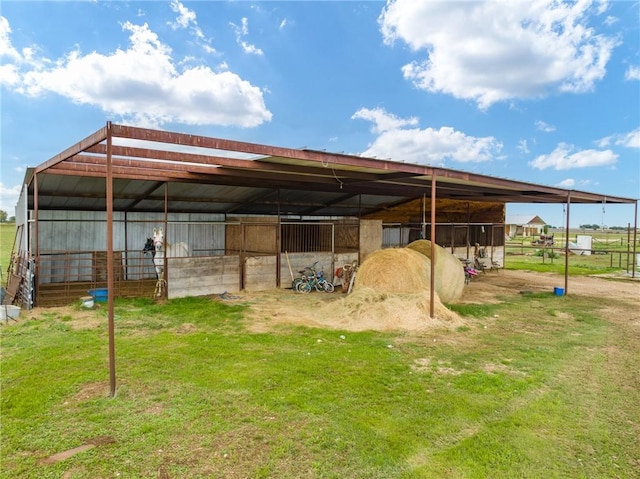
534	387
7	236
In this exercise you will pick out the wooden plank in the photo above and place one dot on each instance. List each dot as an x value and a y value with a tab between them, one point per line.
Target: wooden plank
12	288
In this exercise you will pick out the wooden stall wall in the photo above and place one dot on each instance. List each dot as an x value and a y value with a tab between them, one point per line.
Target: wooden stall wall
251	236
347	236
447	211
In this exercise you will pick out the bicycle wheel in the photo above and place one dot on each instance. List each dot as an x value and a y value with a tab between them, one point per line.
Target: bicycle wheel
328	287
295	283
304	287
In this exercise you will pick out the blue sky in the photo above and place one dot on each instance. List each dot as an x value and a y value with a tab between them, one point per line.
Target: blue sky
540	91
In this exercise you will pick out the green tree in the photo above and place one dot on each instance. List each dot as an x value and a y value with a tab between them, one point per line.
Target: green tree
3	216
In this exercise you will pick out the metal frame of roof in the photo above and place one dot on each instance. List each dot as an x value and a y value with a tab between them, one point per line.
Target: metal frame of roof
212	175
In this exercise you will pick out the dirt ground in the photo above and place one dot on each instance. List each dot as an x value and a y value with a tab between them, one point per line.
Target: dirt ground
334	311
275	308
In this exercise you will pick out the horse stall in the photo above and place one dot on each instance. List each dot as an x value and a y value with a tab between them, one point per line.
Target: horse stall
71	256
222	255
229	254
469	230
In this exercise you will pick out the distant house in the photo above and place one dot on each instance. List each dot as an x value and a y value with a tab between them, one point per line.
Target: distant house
523	225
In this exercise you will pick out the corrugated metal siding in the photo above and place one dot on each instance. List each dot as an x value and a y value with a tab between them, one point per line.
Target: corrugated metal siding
66	236
87	230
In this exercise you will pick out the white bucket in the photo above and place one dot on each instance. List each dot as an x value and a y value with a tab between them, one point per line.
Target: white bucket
8	311
87	301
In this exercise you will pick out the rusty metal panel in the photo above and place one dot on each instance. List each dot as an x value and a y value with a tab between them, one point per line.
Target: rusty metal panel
213	175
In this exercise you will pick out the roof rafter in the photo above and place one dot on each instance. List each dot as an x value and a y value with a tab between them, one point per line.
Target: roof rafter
235	177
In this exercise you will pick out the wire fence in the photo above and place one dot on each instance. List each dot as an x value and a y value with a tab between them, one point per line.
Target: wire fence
599	253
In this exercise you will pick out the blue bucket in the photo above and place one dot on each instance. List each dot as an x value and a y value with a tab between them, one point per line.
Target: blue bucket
99	295
558	291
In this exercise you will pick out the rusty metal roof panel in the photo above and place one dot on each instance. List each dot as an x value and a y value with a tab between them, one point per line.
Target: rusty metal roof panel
212	175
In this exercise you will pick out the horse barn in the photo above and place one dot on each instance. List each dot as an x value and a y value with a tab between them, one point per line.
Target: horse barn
249	215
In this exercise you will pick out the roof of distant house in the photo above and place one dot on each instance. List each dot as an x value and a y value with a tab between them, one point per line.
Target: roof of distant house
524	220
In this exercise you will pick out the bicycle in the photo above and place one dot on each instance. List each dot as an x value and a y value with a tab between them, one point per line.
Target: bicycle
469	273
312	279
304	274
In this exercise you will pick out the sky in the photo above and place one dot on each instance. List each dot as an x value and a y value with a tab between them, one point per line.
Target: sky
541	91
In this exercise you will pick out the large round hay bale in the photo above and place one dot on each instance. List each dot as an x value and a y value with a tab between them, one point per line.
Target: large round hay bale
449	272
395	282
394	270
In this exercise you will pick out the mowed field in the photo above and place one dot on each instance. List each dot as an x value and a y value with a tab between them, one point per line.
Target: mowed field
524	384
7	236
611	251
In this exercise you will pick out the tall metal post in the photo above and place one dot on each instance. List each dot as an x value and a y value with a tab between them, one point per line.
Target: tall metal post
110	281
165	262
635	241
34	242
279	244
566	246
432	284
424	217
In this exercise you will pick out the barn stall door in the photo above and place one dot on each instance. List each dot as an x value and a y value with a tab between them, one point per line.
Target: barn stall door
259	256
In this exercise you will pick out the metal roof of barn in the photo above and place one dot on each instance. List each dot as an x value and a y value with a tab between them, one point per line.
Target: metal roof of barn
212	175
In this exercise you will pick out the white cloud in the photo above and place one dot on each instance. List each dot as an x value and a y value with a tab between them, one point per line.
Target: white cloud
9	198
571	183
143	85
568	183
523	146
185	18
490	51
383	121
12	60
562	158
628	140
6	49
428	146
544	126
242	31
633	73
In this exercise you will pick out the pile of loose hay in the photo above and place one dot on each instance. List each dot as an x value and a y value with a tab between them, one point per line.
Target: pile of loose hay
391	291
367	309
449	277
